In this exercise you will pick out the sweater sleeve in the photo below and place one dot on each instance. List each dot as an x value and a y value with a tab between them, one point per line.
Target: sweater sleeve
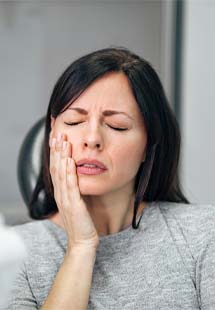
205	273
21	296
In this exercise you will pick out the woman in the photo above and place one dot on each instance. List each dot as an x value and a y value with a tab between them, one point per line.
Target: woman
115	230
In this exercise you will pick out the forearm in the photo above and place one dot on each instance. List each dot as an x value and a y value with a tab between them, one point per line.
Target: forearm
71	288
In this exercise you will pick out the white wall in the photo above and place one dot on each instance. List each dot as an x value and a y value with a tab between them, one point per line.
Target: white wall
198	168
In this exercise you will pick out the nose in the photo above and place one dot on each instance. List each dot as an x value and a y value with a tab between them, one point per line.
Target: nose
93	139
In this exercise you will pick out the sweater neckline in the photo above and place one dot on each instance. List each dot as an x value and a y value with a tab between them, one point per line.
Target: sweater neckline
121	235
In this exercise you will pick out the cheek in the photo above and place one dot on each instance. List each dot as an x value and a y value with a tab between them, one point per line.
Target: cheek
127	158
62	128
74	139
58	127
130	150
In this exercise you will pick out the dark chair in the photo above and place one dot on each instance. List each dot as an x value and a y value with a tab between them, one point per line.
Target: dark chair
29	160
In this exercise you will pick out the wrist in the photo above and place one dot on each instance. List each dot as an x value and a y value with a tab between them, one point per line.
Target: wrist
81	250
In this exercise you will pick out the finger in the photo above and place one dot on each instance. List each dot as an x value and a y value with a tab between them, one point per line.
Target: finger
58	148
51	136
62	175
53	171
54	166
72	184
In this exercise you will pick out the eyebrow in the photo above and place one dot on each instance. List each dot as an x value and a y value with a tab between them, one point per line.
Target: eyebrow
105	113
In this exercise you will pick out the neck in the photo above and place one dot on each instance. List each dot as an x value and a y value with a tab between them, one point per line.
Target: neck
108	218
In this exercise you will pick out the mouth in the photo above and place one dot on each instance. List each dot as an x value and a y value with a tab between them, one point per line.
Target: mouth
90	169
91	164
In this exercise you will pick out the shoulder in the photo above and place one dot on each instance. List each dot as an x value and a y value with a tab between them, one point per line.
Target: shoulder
39	234
201	215
45	244
196	222
34	229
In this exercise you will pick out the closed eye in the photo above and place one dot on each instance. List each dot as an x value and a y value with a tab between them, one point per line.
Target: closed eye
119	129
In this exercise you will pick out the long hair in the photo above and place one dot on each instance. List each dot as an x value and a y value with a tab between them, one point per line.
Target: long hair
157	178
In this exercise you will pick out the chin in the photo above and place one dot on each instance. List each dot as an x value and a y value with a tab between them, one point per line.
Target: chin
92	192
91	189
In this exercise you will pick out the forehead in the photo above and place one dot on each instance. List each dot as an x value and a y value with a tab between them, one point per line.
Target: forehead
110	92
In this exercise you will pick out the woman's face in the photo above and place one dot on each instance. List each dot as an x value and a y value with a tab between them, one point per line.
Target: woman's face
95	137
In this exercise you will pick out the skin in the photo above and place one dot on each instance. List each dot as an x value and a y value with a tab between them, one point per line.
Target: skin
109	197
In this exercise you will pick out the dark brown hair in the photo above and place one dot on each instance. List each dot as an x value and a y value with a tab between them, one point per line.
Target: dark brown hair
158	175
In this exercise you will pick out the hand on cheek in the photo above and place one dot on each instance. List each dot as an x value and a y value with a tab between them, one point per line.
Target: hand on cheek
76	218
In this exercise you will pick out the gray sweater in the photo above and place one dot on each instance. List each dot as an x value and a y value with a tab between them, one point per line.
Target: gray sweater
167	263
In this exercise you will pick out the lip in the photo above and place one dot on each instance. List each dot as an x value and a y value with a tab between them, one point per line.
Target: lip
91	161
90	171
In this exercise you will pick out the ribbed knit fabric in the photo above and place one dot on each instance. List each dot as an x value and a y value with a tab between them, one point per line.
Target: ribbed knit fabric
167	263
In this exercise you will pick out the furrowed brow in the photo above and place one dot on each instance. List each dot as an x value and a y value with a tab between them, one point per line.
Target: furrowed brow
105	113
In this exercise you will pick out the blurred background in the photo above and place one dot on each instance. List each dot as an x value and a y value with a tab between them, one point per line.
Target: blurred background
39	39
